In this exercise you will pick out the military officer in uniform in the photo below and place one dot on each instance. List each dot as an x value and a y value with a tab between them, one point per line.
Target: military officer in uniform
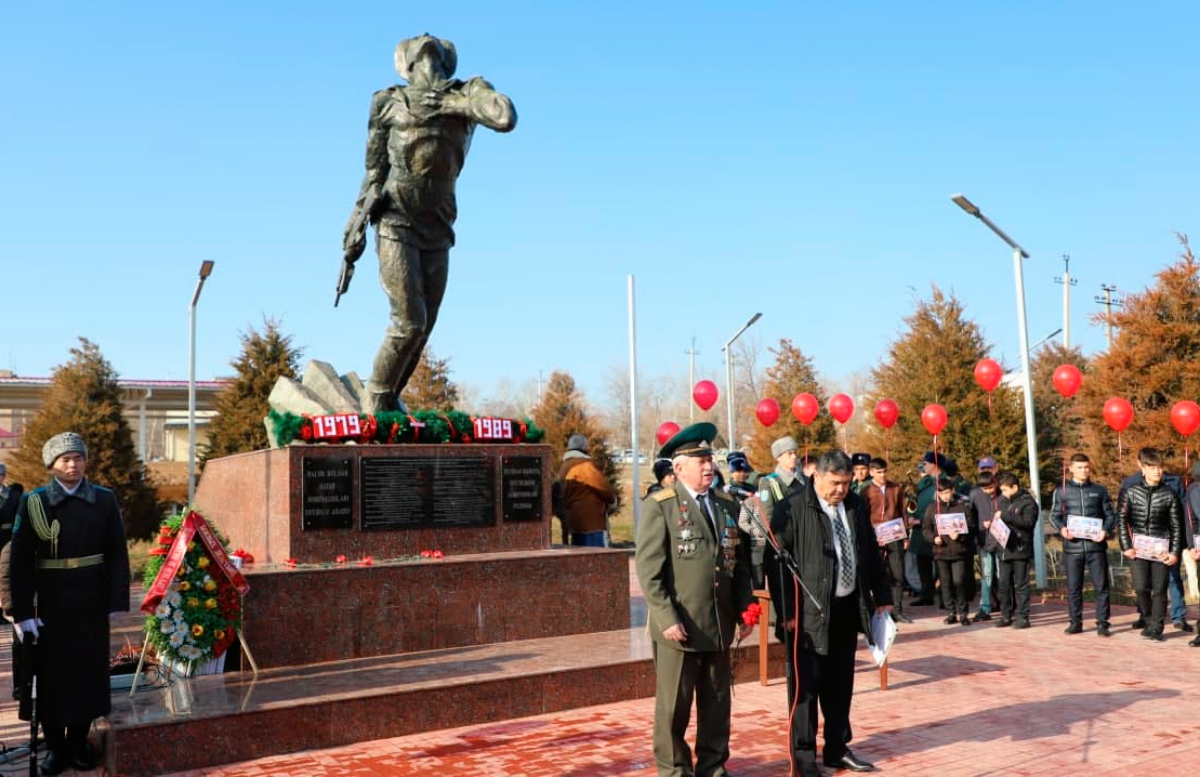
694	566
69	569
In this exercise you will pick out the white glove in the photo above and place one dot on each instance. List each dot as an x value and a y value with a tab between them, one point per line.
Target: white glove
29	626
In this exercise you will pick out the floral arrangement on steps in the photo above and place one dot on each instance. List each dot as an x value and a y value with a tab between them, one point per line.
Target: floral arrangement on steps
193	603
421	426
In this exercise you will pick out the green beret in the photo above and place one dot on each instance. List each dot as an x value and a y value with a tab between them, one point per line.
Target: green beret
694	440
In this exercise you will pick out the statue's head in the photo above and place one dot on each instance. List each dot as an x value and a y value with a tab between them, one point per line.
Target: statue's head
444	58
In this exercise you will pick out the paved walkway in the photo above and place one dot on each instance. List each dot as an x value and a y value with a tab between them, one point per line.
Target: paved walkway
962	701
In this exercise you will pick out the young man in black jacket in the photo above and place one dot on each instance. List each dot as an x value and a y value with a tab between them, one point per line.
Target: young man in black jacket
1019	511
1079	496
1151	509
952	550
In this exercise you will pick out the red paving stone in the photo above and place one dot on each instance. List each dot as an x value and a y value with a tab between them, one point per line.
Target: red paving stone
962	701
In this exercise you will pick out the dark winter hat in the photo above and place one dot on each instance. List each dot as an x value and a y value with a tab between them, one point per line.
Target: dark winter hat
662	468
738	462
694	440
861	460
987	462
577	442
67	442
934	458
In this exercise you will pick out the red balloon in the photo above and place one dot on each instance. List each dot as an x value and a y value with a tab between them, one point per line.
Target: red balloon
841	407
988	374
805	408
1067	380
934	418
666	430
887	413
767	411
1118	413
1185	417
705	394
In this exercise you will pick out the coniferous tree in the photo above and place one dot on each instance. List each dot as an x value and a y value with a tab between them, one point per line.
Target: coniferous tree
934	362
238	426
791	374
562	412
1152	364
430	387
84	397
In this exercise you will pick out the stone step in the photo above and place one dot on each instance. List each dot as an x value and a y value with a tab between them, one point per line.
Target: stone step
233	717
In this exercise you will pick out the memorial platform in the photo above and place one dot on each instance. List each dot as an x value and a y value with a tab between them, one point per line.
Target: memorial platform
219	719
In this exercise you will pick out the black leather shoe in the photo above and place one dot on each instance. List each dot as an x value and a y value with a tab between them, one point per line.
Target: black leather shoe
902	617
55	763
1021	624
966	620
951	618
1184	626
982	616
1074	628
1156	636
1103	630
1145	632
851	762
1004	622
1140	623
85	759
1195	642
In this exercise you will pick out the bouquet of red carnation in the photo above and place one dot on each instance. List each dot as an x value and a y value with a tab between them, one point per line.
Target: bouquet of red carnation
752	614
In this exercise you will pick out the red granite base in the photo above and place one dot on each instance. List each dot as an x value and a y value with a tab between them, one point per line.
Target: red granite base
220	719
256	500
308	616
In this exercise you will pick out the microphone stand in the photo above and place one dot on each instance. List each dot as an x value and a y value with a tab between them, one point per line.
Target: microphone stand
783	556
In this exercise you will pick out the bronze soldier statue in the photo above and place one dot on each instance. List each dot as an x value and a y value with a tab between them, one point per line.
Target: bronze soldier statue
417	138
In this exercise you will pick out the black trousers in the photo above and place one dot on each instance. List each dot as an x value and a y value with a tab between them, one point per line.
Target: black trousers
1097	565
925	572
1150	585
827	681
953	573
1014	581
893	557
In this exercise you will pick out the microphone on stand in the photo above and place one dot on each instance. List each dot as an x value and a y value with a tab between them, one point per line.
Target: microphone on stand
738	491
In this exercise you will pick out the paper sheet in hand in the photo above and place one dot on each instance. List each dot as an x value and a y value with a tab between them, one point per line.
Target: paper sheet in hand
999	529
1150	548
952	523
890	531
883	634
1085	528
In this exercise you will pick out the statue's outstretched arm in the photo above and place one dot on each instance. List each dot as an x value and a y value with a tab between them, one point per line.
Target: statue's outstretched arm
488	107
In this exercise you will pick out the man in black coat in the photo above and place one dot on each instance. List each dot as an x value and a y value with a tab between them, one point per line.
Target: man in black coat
1079	496
1019	511
69	570
827	532
1151	510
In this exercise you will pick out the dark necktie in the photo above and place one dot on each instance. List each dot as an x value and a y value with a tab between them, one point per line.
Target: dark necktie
702	500
846	568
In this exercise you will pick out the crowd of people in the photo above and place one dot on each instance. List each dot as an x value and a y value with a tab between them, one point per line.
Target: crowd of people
836	541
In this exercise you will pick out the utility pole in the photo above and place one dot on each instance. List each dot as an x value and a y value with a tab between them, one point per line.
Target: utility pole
691	380
1067	282
1109	303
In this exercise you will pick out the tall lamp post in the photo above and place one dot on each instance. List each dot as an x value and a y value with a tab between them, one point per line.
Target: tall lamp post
206	268
1039	535
728	349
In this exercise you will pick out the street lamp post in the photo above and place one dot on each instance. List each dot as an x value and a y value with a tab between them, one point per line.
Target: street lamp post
1039	535
728	349
206	268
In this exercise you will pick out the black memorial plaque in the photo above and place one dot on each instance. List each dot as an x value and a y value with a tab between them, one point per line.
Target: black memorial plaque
327	495
424	492
521	488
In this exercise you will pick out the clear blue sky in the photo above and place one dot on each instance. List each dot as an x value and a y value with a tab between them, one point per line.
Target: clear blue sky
776	158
